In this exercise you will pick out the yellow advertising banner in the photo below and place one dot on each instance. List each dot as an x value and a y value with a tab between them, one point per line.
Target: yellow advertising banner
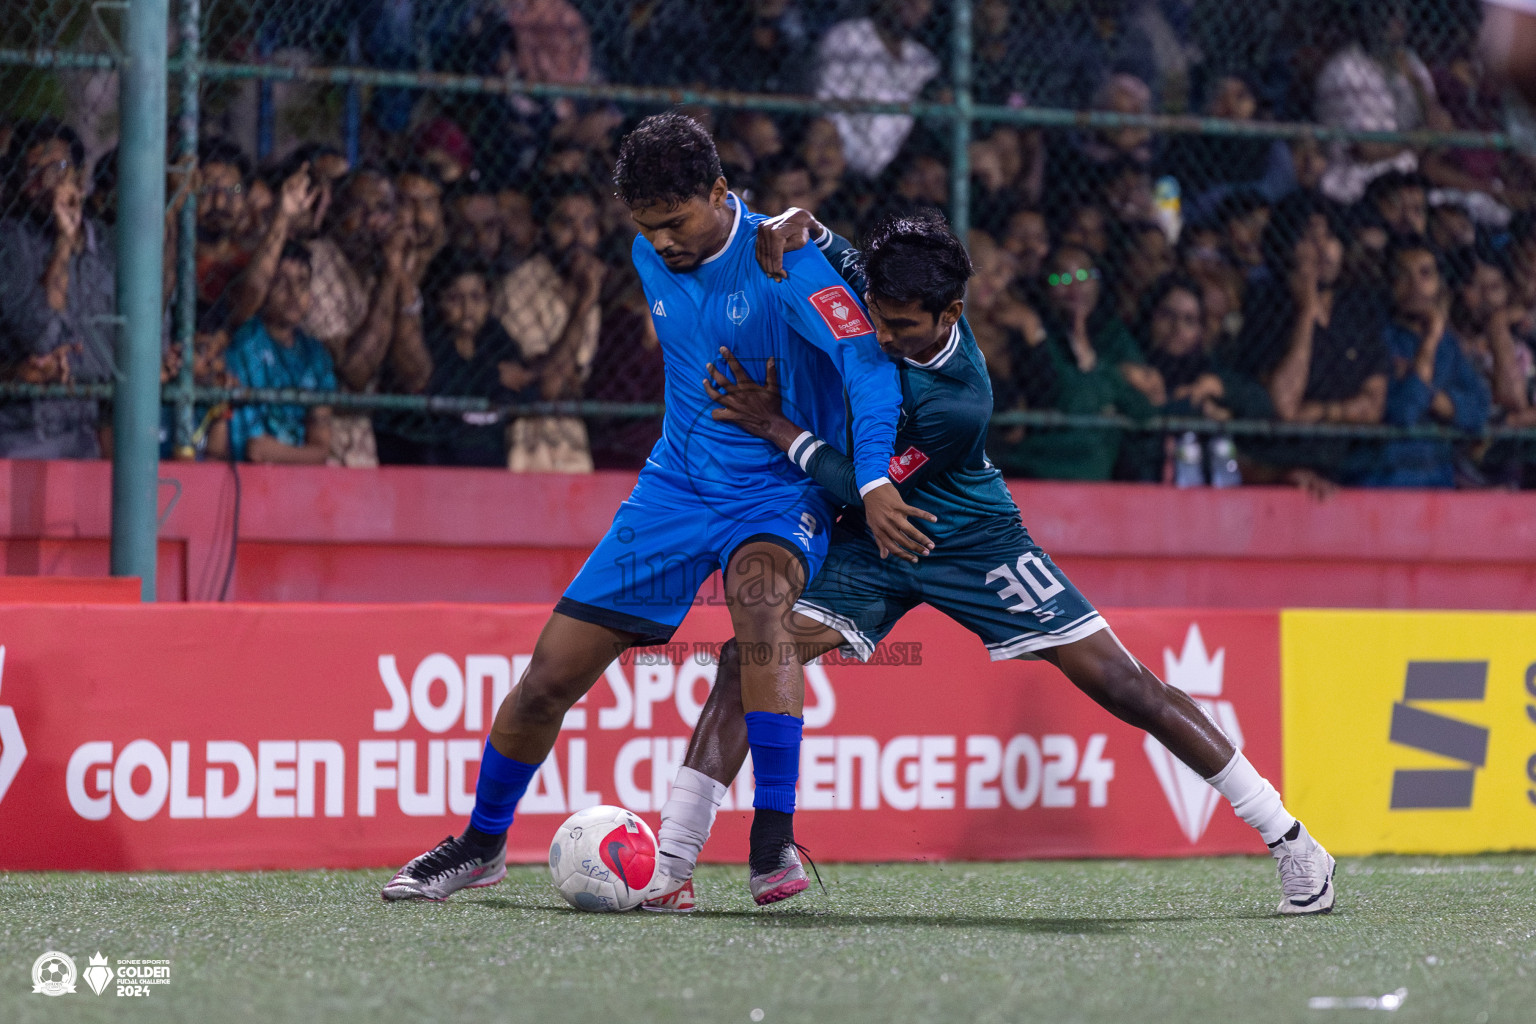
1411	732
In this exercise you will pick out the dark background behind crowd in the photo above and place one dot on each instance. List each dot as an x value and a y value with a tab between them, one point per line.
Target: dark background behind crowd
473	247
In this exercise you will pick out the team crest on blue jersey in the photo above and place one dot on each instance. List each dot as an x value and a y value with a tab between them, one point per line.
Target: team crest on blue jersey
737	309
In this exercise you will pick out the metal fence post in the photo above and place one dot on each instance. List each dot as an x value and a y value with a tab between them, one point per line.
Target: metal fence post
186	231
265	113
352	104
140	247
960	160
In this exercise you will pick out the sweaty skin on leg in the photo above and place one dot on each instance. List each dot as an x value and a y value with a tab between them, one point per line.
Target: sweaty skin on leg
567	660
762	584
718	746
1101	667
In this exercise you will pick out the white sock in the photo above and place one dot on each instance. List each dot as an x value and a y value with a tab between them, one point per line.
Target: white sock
686	819
1253	799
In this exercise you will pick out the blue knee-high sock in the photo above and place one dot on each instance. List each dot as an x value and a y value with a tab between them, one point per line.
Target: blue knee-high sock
501	785
775	743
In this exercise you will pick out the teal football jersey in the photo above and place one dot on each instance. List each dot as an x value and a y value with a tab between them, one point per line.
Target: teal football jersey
939	461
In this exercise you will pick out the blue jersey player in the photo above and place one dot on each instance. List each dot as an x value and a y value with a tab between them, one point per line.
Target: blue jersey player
976	563
709	498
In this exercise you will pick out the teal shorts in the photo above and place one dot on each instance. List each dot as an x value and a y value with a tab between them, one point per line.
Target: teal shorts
998	584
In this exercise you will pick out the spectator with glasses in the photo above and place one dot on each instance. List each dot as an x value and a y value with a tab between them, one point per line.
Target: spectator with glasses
1170	329
58	276
1098	370
223	251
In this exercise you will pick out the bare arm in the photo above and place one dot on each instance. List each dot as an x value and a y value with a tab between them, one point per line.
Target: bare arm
67	218
409	360
366	349
1441	407
313	452
250	288
1366	406
1443	172
1369	405
1509	43
561	367
218	439
1288	383
757	409
1508	383
52	368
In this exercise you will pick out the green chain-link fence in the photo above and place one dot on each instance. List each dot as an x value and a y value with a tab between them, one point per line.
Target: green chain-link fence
1297	229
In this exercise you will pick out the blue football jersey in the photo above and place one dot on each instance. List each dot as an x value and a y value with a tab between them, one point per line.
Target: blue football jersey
820	337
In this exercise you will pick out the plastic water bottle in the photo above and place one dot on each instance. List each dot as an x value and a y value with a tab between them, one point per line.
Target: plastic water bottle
1223	456
1165	199
1187	468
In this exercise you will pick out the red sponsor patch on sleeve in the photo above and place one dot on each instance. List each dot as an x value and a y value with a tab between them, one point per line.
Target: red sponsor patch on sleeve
905	464
841	312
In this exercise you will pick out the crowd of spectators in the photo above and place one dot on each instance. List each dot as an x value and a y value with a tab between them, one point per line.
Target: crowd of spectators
475	248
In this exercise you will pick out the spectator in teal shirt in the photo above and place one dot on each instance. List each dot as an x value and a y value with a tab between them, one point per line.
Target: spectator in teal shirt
1431	382
269	351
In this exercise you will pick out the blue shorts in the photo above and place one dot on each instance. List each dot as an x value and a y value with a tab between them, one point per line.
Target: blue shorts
646	572
998	584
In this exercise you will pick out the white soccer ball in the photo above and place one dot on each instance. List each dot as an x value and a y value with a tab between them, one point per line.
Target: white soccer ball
603	859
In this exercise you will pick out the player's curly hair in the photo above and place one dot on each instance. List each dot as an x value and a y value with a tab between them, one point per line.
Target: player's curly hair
915	257
668	158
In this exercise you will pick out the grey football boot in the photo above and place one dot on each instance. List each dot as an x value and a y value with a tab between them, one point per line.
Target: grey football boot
449	866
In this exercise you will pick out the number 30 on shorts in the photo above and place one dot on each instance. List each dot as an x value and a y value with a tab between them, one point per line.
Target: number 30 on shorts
1029	581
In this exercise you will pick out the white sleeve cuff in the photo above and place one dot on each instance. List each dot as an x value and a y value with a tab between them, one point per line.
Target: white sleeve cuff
876	482
825	238
802	448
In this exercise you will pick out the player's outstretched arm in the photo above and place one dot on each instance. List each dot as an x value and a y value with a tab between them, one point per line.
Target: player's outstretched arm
820	307
758	409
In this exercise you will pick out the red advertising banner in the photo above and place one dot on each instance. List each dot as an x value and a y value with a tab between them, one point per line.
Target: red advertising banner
289	736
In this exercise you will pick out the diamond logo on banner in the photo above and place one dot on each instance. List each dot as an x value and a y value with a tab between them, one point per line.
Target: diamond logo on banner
98	975
1198	674
13	750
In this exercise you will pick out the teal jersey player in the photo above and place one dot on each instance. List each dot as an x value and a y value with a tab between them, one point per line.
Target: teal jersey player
940	463
980	566
965	552
983	570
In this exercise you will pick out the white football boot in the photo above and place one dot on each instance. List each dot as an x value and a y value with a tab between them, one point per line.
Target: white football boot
1306	874
671	895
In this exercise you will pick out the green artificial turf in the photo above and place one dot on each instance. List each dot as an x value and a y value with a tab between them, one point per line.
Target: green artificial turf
1120	942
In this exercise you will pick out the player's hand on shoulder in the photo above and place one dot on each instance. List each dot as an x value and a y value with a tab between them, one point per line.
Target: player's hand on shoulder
755	408
890	521
793	229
